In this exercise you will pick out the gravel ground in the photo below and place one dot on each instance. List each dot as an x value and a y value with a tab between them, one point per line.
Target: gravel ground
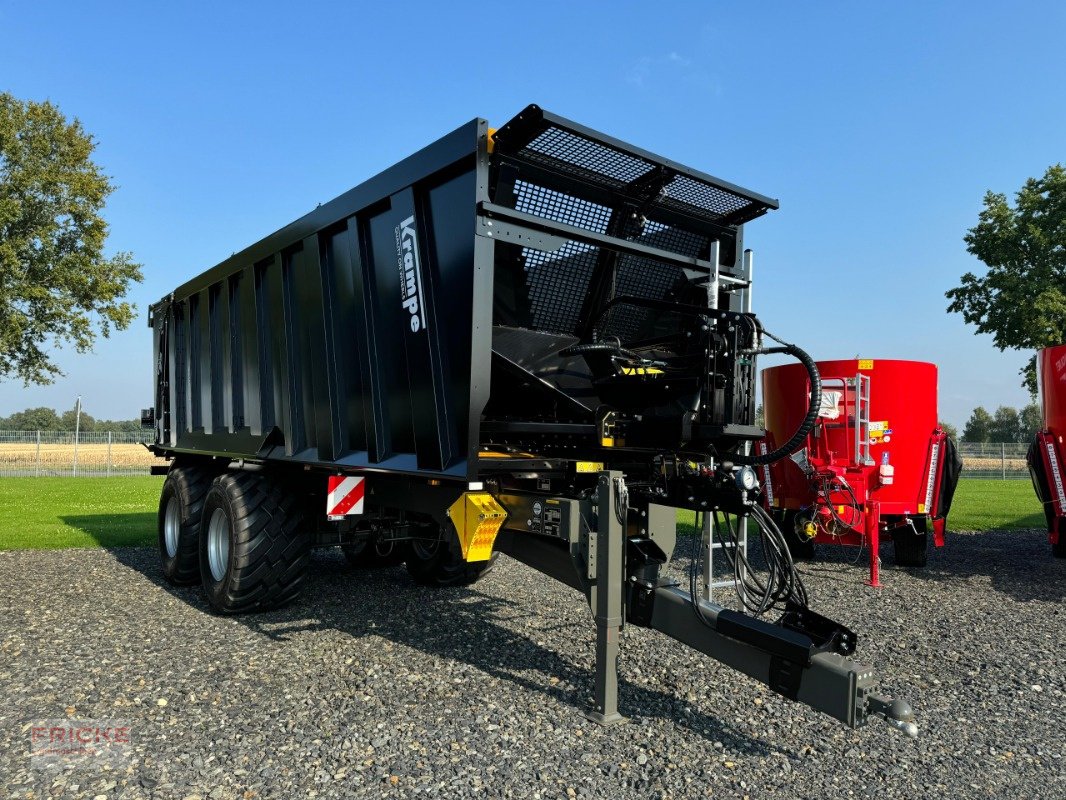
370	686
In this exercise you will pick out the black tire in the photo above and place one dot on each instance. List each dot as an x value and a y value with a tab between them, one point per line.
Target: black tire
180	507
262	526
376	553
440	563
801	548
911	544
1059	549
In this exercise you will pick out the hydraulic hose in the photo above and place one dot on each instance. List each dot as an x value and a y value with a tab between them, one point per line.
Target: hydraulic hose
789	447
598	347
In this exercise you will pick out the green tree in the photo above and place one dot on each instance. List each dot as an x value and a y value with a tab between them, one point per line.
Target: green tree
118	425
32	419
56	285
1021	299
949	429
1006	426
978	427
67	421
1032	421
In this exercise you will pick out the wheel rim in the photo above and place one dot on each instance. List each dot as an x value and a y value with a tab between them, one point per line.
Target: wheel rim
172	527
218	544
425	550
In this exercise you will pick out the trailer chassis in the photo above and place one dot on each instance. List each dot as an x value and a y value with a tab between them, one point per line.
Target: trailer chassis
587	547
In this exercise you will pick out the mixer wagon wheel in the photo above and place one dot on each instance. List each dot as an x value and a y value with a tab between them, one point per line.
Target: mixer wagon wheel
439	562
801	548
376	553
911	543
255	545
180	505
1059	548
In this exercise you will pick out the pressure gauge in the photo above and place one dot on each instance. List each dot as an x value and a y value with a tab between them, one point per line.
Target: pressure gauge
746	479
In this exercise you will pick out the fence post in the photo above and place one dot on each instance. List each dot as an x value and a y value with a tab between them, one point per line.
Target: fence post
1003	459
109	454
37	467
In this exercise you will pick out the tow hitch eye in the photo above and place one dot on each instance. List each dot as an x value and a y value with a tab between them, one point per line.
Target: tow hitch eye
897	713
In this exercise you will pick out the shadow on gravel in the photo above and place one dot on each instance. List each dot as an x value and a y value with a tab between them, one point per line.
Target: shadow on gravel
116	530
459	624
1018	563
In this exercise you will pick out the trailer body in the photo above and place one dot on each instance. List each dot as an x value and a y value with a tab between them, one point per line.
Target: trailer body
535	340
369	333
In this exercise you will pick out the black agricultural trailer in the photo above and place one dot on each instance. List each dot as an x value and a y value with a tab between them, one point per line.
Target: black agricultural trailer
535	340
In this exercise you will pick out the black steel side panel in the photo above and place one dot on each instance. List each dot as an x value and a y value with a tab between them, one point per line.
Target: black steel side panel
351	337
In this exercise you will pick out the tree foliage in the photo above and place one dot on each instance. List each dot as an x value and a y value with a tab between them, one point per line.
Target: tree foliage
56	285
1031	420
32	419
1007	425
1021	299
978	426
47	419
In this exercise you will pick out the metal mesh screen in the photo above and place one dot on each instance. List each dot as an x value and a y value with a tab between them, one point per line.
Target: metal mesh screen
573	154
686	191
591	158
558	283
676	240
641	277
577	167
550	204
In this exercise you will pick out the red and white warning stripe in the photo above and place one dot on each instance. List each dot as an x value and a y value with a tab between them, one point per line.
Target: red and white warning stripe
345	496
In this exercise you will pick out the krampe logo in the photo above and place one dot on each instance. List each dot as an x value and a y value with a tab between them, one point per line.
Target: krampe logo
410	273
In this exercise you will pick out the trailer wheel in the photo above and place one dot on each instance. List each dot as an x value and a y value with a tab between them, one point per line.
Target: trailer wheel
255	547
376	554
1059	548
434	563
180	505
911	544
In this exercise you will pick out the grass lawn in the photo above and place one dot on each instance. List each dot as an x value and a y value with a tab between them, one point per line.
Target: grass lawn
979	505
985	505
49	513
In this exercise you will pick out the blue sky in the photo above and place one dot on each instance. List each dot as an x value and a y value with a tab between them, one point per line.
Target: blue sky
878	126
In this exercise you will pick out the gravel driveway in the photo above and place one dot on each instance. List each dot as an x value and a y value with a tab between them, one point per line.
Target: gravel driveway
371	686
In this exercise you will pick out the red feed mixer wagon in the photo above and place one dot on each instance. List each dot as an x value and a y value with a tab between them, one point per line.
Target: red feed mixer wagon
876	462
1047	451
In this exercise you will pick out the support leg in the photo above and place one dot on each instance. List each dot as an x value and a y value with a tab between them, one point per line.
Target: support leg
607	599
873	537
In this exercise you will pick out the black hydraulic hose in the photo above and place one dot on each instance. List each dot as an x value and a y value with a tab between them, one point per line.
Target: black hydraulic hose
789	447
598	347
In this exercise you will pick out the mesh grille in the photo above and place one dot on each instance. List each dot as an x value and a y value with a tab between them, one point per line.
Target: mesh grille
591	157
676	240
684	190
542	202
574	154
593	180
641	277
558	283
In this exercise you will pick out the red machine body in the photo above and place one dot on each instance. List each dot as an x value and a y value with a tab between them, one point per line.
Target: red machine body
1046	453
874	462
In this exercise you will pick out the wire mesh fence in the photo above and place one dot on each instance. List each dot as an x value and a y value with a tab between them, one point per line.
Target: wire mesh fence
104	453
1003	460
59	454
